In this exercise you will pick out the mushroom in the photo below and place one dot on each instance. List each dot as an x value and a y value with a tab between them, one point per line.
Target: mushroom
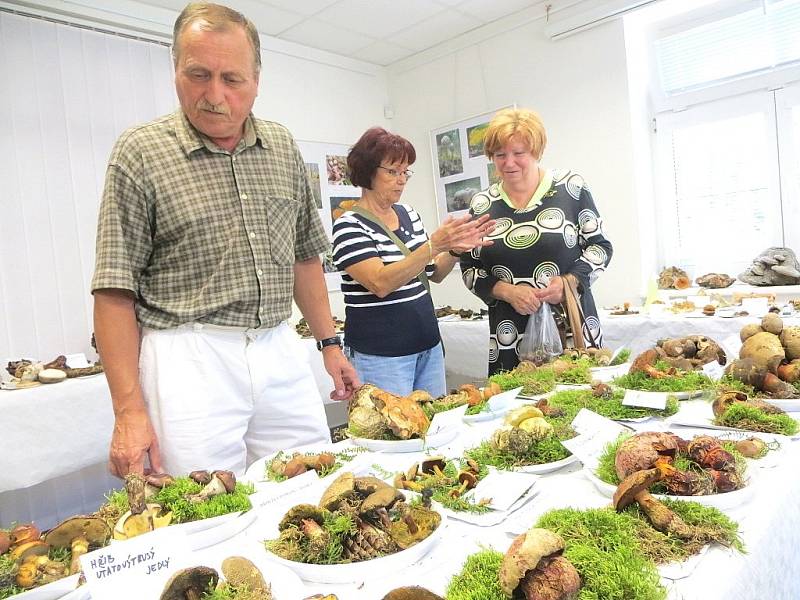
751	447
468	480
142	517
379	502
51	375
39	570
24	533
155	482
5	541
634	488
308	519
222	482
201	477
340	489
534	568
190	584
77	534
293	468
240	572
25	550
433	465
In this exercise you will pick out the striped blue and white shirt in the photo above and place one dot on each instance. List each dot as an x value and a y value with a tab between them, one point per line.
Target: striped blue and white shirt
404	321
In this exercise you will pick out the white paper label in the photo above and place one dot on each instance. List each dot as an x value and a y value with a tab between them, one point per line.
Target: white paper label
503	400
656	400
77	361
448	418
503	488
757	307
732	344
714	370
595	432
136	568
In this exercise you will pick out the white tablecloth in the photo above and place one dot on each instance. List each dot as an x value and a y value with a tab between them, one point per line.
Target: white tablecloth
467	352
769	525
54	450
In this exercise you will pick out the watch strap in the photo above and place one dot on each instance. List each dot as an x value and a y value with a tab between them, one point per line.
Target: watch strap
331	341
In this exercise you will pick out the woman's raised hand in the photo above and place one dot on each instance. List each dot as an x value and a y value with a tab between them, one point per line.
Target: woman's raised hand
462	233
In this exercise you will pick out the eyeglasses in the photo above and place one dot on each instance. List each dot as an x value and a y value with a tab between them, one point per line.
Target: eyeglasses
395	173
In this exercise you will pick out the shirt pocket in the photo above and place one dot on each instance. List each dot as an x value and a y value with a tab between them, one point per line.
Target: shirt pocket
282	226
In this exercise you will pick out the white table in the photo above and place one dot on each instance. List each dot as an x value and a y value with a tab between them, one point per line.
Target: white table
769	525
54	450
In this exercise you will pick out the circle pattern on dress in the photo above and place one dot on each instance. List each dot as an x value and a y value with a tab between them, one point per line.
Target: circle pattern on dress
506	333
587	221
551	218
523	235
480	203
494	353
503	273
595	255
570	235
469	278
502	225
544	272
591	326
574	185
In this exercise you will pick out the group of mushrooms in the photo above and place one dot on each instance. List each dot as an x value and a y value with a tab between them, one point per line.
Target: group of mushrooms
242	581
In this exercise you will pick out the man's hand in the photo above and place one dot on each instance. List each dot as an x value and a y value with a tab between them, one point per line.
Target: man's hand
554	292
345	380
134	439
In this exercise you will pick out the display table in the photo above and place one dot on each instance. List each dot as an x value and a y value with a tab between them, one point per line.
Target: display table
467	350
54	450
769	524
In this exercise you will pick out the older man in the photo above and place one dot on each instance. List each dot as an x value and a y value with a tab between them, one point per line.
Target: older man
207	230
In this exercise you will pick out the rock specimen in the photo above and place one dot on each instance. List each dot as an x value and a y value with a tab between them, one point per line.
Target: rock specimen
774	266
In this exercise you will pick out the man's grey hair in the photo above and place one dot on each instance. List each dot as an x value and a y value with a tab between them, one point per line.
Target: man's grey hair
214	17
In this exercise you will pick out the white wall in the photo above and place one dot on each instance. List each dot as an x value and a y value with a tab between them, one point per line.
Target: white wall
317	95
578	85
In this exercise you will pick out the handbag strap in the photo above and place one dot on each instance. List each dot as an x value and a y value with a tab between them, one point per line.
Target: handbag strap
572	307
423	276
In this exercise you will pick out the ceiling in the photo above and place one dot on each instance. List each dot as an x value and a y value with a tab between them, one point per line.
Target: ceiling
375	31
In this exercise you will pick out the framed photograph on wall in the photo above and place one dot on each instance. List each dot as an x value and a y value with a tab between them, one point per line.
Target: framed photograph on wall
326	165
460	168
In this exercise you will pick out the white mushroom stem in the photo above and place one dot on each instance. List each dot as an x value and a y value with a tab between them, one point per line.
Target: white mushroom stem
215	487
79	546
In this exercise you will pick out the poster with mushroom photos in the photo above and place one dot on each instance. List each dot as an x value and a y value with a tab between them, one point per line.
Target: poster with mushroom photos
326	168
460	168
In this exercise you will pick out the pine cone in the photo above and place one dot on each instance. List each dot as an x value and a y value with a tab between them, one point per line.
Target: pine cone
367	542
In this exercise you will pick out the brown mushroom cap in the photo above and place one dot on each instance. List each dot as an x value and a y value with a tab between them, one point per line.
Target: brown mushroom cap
201	477
94	529
227	478
193	579
5	541
300	512
27	549
241	572
632	485
411	593
24	533
159	480
342	487
382	498
369	485
469	478
427	465
524	554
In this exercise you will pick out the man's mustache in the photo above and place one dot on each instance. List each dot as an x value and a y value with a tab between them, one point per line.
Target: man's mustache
220	109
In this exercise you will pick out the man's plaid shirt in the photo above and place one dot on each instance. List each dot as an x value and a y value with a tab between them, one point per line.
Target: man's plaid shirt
200	234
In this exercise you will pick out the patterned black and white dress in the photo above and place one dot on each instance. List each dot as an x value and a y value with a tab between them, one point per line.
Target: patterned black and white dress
559	232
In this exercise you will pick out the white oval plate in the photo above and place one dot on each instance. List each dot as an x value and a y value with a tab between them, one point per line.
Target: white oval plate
787	404
415	445
365	569
606	374
547	467
721	501
255	472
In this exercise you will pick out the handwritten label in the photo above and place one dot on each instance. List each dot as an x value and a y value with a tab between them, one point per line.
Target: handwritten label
656	400
448	418
595	433
714	370
503	400
136	568
77	361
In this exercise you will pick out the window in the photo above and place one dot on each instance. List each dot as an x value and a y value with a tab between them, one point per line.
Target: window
727	138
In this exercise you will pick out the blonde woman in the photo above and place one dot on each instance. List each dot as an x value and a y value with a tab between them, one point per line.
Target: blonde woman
547	226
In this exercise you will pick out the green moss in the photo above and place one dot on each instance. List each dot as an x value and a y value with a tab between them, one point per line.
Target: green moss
172	499
477	408
750	418
478	578
442	486
606	469
8	571
546	450
533	383
682	382
621	357
357	432
579	372
573	400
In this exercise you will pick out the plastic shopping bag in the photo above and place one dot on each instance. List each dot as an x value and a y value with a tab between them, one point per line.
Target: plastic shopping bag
542	341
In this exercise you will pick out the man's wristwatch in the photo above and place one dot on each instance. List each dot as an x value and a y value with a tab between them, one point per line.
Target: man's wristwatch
331	341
